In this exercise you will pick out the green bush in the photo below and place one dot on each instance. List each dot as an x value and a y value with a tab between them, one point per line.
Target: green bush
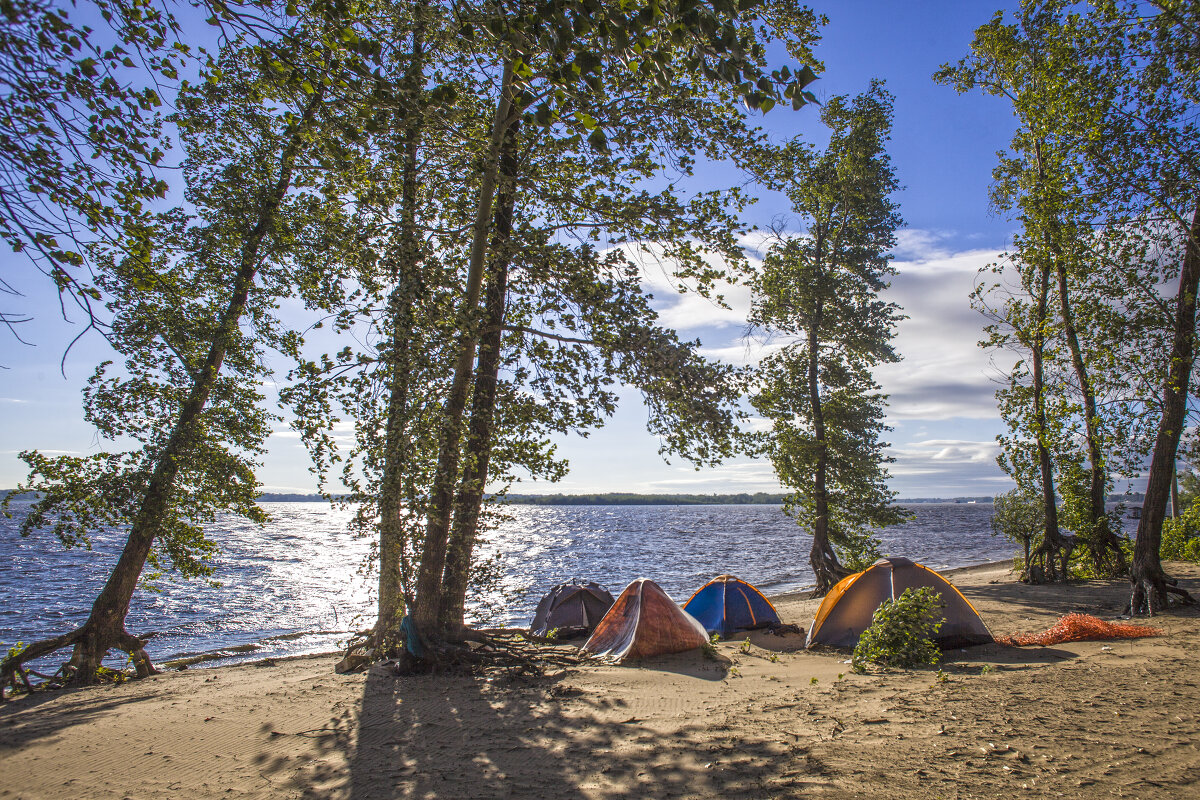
1019	517
1181	536
902	631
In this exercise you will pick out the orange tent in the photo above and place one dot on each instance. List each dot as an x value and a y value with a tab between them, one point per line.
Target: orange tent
645	622
847	609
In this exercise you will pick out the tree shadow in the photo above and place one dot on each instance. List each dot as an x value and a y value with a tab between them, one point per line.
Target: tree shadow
1006	655
27	718
520	737
1101	598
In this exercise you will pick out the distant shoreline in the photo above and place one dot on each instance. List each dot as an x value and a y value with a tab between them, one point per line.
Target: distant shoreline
633	499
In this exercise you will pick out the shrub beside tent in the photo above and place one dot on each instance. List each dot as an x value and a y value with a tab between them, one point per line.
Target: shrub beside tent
571	608
847	609
645	622
727	604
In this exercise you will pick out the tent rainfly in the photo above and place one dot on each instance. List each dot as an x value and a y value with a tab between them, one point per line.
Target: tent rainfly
572	609
847	609
645	622
727	604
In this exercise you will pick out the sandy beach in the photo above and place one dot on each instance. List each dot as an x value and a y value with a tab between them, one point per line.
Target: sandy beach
768	719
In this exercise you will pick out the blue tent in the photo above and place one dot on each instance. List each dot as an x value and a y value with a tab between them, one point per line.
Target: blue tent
727	604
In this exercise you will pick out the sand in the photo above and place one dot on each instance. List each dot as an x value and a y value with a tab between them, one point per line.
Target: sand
764	720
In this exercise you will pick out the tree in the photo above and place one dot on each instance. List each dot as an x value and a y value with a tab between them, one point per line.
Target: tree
1025	62
1017	516
1112	108
80	132
546	59
82	139
1147	172
821	291
260	202
560	321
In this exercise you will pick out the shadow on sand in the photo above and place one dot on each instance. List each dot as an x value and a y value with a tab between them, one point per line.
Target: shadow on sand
468	737
44	714
1101	598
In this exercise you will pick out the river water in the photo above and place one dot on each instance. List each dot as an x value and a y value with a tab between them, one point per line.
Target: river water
297	585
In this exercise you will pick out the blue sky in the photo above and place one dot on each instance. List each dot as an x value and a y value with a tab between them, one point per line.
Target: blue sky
943	149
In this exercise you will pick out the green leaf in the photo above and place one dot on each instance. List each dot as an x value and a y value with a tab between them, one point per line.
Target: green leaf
598	141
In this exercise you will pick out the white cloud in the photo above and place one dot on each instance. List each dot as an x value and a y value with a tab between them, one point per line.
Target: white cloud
916	244
946	467
680	307
952	450
944	373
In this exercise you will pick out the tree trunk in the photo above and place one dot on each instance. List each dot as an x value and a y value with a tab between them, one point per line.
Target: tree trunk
1103	545
433	553
1150	584
105	627
1053	553
478	446
822	557
397	448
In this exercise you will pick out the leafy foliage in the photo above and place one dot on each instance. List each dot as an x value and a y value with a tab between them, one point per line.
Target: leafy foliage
80	130
1017	515
820	293
901	631
1181	536
1105	98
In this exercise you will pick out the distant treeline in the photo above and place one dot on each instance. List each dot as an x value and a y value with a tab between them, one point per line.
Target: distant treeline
632	499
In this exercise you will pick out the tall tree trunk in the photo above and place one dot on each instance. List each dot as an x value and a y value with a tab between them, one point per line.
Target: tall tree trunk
427	605
478	447
1103	544
105	627
823	558
397	447
1104	547
1150	584
1052	552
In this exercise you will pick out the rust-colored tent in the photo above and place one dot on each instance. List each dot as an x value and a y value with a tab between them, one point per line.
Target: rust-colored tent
645	622
847	609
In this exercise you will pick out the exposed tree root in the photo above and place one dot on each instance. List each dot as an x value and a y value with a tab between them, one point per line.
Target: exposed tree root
1049	562
827	569
1152	593
507	650
471	651
85	665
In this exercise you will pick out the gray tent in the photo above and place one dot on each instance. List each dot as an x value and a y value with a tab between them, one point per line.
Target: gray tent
572	608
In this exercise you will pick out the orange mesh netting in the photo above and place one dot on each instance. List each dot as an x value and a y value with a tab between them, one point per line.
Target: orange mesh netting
1079	628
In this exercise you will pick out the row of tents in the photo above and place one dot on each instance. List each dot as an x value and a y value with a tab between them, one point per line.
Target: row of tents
643	621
